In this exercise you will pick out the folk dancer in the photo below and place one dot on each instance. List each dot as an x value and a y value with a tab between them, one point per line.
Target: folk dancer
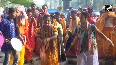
85	40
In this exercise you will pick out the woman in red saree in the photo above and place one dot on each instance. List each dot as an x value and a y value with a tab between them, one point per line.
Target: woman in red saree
29	47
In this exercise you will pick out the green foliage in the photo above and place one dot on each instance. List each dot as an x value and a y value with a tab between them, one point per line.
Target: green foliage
23	2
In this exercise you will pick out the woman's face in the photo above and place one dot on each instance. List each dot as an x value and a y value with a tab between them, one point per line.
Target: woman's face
62	15
45	9
29	14
47	21
57	17
18	13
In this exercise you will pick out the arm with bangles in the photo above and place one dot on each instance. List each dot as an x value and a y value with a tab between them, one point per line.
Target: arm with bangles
53	37
103	36
47	39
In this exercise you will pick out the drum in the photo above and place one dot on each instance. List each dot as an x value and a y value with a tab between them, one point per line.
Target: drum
16	44
1	40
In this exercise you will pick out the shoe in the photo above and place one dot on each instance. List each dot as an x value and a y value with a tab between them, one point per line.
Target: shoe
25	62
32	61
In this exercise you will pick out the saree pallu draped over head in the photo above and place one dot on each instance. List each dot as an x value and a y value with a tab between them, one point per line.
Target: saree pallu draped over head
23	14
101	20
89	40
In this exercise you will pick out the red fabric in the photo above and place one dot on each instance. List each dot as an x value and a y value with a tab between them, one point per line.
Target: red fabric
89	38
78	12
44	13
29	47
91	20
37	47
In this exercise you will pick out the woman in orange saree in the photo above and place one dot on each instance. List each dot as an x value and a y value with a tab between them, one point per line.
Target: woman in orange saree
106	24
49	43
30	45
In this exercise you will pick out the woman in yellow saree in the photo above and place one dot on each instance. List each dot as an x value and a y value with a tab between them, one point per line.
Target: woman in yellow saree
49	44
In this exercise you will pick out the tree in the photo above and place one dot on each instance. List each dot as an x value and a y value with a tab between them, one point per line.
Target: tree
23	2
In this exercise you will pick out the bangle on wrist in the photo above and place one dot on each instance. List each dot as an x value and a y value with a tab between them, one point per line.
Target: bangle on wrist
6	39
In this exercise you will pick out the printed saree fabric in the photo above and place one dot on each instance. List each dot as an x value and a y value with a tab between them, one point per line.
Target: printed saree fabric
49	56
30	45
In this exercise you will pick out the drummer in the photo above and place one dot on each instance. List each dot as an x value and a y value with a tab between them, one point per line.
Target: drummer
7	27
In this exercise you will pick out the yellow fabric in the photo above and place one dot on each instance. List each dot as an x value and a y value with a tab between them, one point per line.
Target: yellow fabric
21	59
63	25
11	59
22	30
52	59
110	34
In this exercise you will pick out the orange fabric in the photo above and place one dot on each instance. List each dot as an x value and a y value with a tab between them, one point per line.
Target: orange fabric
23	28
51	59
37	45
63	23
105	50
73	24
48	58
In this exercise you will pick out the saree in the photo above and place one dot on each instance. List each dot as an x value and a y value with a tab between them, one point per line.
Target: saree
49	57
30	44
63	23
39	25
104	49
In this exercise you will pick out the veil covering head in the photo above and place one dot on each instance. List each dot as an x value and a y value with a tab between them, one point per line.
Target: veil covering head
23	14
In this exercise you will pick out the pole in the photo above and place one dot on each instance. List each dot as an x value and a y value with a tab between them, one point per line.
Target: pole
50	4
86	3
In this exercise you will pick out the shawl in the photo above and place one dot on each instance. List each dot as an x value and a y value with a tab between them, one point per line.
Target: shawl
90	44
23	15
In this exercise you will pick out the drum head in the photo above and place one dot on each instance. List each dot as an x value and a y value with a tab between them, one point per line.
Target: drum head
1	40
16	44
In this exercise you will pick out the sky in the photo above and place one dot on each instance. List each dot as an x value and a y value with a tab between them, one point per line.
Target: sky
39	2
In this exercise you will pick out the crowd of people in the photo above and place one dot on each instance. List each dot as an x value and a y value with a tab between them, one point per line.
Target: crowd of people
47	35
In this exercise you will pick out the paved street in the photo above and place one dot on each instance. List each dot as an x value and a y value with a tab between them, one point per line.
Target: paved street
70	61
38	62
